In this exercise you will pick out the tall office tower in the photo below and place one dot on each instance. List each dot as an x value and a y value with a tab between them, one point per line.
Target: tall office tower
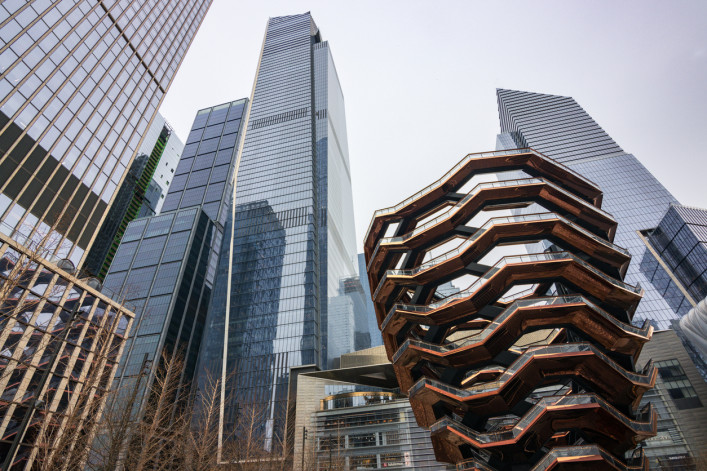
80	82
166	264
559	128
349	332
373	330
141	194
292	239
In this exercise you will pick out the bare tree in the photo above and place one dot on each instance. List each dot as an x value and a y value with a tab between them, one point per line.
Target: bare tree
200	447
64	433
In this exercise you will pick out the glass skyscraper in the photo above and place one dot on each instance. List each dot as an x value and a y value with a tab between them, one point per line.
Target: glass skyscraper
372	321
166	264
80	82
680	240
290	240
141	194
559	128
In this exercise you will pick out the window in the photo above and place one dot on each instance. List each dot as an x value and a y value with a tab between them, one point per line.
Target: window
150	251
364	462
362	440
677	384
392	437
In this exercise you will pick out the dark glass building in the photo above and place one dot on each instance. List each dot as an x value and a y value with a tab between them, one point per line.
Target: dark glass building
161	268
141	194
680	240
292	239
166	264
373	330
80	82
559	128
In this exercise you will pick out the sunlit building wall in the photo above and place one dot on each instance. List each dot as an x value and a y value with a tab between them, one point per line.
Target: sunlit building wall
80	83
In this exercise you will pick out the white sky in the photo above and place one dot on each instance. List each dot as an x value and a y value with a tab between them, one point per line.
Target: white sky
420	79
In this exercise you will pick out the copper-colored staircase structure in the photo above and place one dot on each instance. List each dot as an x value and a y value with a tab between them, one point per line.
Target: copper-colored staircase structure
542	378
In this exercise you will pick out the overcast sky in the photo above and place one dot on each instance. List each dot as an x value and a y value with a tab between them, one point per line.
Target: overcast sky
420	79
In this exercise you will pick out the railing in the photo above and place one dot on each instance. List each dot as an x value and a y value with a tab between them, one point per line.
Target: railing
509	312
496	221
583	450
539	408
508	260
458	166
504	183
521	361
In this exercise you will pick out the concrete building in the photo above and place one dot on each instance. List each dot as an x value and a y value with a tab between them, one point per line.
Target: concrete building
354	417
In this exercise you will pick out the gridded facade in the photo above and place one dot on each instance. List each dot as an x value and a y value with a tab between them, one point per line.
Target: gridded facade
681	242
560	129
353	417
373	330
161	268
337	242
166	264
205	171
370	430
60	345
141	194
680	397
290	238
80	82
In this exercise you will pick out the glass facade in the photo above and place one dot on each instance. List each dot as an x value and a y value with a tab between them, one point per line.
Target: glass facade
370	431
681	242
161	268
204	174
348	330
559	128
373	330
290	237
80	82
141	194
166	264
